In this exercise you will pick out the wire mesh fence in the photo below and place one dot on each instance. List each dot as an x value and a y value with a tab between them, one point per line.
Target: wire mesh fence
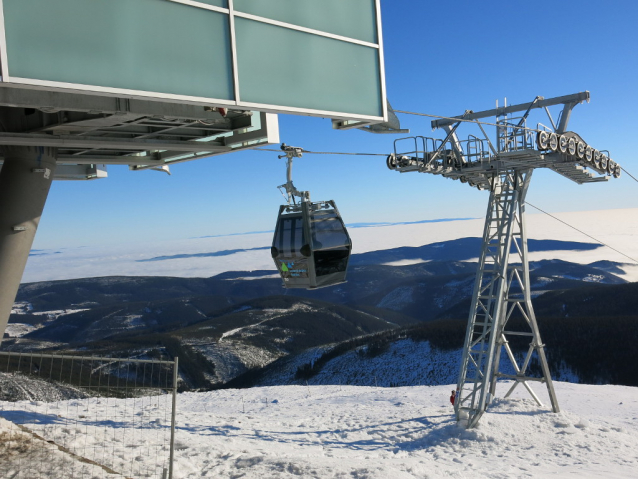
86	417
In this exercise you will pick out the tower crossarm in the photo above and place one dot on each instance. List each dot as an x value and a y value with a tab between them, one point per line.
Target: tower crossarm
475	160
477	173
539	102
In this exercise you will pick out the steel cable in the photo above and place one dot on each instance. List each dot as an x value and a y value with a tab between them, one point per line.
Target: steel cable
460	119
483	123
326	152
629	174
582	232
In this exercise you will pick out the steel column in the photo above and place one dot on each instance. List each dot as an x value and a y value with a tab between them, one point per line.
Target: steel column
25	180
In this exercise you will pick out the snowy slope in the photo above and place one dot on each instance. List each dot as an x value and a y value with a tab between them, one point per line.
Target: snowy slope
24	455
398	433
18	386
205	257
401	363
405	362
367	432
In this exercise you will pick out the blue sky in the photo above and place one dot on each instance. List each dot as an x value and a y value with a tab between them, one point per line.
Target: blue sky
441	58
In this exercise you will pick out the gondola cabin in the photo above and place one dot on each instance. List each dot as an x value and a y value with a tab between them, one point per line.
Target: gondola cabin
311	246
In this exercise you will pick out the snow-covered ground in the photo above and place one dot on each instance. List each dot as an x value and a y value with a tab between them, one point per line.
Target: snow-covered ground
205	257
232	358
368	432
24	456
17	330
402	362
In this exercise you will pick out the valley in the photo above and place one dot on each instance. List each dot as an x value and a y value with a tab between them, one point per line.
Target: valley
242	328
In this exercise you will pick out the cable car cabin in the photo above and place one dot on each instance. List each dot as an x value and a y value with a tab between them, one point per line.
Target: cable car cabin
311	247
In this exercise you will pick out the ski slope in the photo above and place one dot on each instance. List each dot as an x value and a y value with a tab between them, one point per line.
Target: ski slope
397	433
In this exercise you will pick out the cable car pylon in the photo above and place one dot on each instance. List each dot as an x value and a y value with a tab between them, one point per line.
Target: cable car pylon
501	312
311	246
502	288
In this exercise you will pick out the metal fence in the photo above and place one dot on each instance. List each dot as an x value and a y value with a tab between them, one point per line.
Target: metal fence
86	417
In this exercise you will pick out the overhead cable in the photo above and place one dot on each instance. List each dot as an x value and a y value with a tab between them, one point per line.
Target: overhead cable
420	114
535	207
458	119
580	231
327	152
629	174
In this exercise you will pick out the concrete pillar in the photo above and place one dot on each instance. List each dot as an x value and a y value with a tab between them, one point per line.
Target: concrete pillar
25	180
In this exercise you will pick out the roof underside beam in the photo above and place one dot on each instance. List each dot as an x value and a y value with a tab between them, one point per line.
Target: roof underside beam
67	141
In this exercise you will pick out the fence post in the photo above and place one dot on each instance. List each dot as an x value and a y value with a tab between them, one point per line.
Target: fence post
175	375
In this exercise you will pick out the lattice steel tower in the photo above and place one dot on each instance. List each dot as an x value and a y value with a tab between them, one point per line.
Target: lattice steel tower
501	302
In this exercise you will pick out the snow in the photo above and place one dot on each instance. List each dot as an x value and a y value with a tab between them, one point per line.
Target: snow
128	436
402	362
249	278
56	313
17	330
232	358
594	278
21	307
369	432
248	252
454	289
397	298
354	431
21	387
23	455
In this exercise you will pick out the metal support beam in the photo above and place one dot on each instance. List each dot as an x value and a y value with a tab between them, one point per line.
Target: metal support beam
25	180
51	101
68	141
454	140
497	112
502	290
565	115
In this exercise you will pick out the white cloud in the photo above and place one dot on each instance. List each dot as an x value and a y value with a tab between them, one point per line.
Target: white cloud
617	228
